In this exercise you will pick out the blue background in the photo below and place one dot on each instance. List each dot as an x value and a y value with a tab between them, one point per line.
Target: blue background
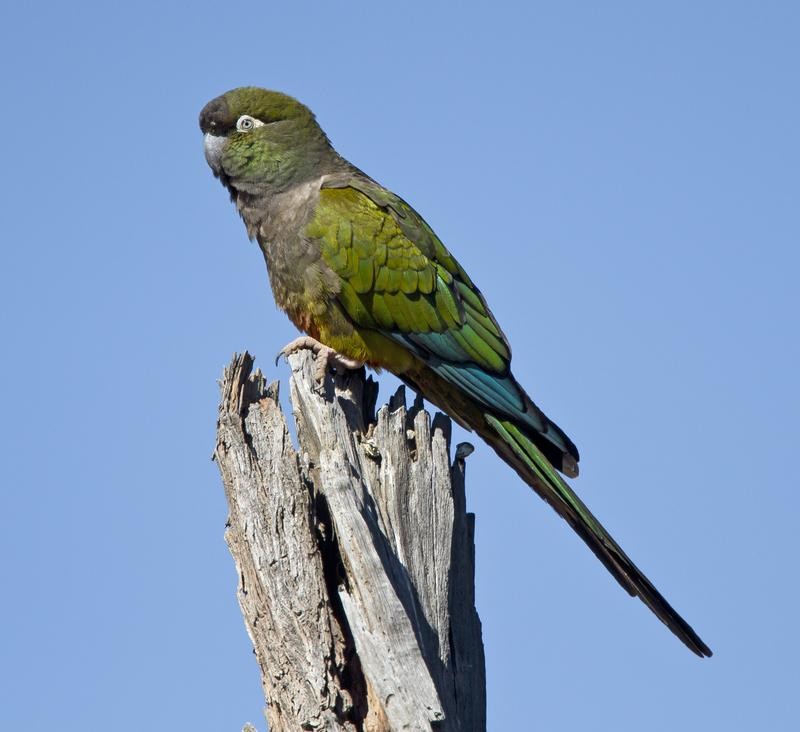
621	180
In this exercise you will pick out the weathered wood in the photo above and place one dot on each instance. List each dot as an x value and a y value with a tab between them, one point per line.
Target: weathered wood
355	555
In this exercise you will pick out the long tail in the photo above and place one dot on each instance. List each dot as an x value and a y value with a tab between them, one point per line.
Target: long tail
519	451
523	455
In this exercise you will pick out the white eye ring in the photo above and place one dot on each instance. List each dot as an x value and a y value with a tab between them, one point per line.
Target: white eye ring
245	123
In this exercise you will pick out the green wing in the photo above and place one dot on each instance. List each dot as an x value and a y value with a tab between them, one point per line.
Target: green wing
399	279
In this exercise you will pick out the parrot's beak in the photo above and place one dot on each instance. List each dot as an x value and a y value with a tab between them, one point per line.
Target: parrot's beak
214	145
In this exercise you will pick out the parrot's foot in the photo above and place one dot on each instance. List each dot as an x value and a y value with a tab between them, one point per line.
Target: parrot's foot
325	357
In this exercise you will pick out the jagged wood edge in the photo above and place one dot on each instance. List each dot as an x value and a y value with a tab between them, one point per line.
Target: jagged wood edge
387	597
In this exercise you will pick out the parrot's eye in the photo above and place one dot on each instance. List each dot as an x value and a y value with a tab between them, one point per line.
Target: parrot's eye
245	123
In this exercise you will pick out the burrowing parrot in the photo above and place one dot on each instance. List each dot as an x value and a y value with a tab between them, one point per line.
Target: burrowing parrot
362	274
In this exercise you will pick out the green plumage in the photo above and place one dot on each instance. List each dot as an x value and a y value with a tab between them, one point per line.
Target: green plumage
355	267
387	281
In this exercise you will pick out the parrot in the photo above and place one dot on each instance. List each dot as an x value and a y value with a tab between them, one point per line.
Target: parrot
365	278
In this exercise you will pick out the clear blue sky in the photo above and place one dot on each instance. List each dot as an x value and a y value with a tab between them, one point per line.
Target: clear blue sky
621	179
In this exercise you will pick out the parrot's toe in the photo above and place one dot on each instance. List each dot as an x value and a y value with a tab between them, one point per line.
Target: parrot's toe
324	357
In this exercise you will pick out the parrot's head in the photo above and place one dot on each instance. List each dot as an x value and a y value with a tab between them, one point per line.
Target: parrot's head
262	141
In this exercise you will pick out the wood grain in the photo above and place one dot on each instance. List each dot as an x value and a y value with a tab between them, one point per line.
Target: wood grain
355	554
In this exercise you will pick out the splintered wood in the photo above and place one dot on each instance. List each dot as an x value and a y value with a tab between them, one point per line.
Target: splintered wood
355	555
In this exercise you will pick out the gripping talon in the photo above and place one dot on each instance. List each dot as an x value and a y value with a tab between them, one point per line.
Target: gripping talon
324	357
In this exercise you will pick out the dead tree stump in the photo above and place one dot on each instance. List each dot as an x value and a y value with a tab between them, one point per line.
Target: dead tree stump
355	555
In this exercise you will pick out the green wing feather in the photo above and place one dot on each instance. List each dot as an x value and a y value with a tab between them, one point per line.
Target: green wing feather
399	279
388	279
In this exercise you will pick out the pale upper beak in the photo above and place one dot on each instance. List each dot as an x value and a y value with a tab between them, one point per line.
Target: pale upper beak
214	145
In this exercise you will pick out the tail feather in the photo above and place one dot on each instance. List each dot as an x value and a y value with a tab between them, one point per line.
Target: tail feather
525	457
514	442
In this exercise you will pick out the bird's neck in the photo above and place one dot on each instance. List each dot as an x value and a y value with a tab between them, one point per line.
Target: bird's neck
290	157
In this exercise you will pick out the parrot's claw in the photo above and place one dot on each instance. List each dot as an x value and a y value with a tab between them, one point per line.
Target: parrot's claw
325	357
